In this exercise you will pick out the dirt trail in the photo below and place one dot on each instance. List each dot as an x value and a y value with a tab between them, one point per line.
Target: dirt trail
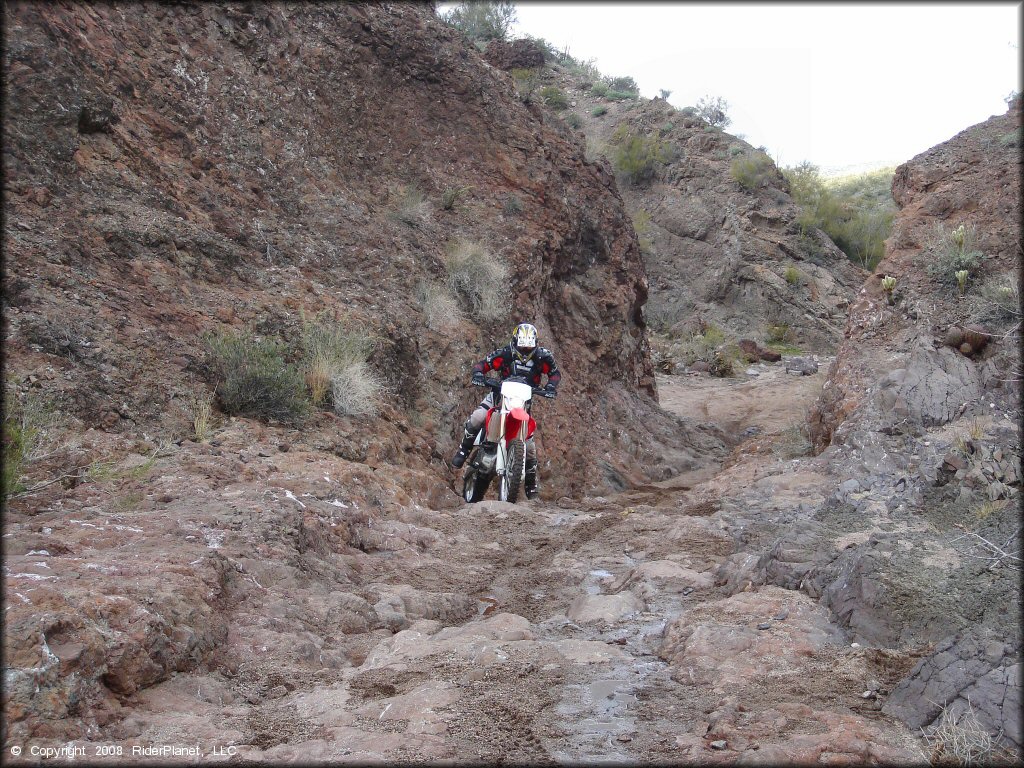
540	632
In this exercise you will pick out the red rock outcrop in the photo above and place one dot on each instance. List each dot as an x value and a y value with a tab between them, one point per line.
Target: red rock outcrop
190	168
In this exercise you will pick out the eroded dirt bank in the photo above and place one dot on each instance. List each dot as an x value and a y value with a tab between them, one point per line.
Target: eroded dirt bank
336	625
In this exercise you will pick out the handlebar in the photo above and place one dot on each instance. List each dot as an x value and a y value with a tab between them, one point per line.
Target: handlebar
495	385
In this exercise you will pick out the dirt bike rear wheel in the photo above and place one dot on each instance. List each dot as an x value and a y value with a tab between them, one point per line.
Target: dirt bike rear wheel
474	486
515	470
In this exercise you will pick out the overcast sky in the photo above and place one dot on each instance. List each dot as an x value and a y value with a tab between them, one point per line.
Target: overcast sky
839	85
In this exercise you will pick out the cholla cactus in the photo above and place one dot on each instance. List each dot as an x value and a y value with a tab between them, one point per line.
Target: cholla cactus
961	279
888	284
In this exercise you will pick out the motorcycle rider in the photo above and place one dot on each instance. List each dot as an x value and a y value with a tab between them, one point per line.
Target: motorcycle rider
520	357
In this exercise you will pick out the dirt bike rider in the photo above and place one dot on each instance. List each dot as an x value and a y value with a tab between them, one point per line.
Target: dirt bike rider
520	357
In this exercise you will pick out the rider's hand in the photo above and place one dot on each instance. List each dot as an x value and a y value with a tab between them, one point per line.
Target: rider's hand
479	379
550	391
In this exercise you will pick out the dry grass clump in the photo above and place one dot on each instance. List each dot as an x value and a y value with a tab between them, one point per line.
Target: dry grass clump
411	207
478	279
335	361
355	390
199	408
959	739
439	307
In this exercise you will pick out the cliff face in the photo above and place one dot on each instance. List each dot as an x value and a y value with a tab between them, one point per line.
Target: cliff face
921	410
717	251
175	169
971	180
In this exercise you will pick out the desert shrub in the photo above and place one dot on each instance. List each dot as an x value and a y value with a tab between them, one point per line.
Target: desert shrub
452	195
1011	139
642	226
637	157
777	333
614	95
554	97
792	275
478	279
713	109
482	21
255	380
599	110
439	307
512	206
623	84
952	251
573	120
998	301
664	93
600	88
735	150
752	170
856	212
725	361
21	439
527	82
411	206
688	112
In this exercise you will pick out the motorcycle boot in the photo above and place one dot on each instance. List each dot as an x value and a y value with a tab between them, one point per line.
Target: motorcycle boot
532	489
468	439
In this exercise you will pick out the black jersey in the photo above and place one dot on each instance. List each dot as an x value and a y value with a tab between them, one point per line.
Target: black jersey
506	363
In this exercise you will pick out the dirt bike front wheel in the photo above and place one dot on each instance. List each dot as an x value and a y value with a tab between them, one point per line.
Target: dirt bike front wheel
515	471
474	486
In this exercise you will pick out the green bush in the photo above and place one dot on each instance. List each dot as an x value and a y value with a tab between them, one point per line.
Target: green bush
619	95
777	333
1011	139
599	110
573	120
600	88
478	279
642	227
527	82
752	170
714	109
481	21
856	212
624	84
637	157
255	380
792	275
554	97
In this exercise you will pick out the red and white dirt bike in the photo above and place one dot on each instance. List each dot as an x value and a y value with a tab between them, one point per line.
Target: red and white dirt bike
500	447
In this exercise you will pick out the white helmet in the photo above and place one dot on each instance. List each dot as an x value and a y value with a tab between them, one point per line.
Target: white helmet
524	341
